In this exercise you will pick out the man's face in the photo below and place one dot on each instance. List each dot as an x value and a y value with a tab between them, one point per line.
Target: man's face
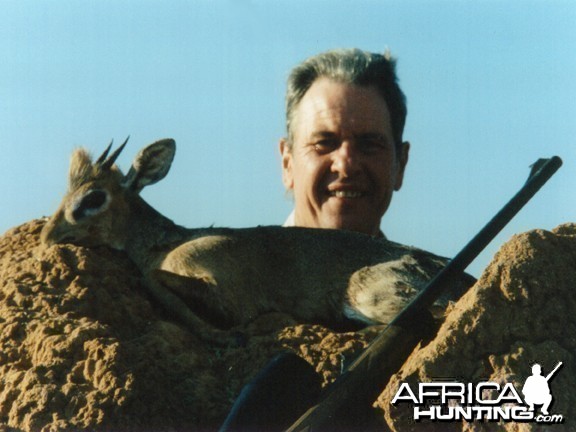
343	165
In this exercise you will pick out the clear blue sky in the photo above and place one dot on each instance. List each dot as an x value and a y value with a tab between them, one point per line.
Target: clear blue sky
491	87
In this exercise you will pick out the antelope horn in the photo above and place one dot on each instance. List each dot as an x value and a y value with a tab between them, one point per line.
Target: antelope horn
105	154
112	158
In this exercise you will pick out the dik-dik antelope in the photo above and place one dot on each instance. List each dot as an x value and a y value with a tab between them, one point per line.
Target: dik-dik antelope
215	278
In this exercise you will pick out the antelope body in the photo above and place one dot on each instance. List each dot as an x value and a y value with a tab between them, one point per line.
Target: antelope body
218	277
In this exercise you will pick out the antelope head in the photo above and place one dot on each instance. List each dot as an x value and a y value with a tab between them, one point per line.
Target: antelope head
96	208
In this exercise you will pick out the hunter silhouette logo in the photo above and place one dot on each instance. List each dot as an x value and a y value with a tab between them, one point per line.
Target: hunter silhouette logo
536	389
483	401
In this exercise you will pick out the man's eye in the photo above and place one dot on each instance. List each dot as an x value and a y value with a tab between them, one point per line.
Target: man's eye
325	146
372	145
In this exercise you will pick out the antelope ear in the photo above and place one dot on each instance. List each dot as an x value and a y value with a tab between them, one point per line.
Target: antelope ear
150	165
80	168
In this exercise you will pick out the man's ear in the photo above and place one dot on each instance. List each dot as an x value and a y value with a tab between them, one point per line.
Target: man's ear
286	154
402	161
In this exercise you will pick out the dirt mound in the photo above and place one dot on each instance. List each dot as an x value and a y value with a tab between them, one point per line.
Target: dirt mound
83	347
520	312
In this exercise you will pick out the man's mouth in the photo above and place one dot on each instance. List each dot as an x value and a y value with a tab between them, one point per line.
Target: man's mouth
346	194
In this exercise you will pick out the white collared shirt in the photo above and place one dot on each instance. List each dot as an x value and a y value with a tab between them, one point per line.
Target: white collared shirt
289	222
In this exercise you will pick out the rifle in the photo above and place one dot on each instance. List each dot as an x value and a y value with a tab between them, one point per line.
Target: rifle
365	378
554	371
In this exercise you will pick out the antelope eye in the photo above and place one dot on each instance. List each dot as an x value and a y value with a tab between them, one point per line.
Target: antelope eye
90	204
94	199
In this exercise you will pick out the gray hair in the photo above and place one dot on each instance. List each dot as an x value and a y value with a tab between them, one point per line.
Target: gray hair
349	66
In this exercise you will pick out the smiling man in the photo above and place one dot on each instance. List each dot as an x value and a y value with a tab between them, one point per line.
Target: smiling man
343	156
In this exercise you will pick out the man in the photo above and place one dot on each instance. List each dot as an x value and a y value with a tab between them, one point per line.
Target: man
343	156
536	389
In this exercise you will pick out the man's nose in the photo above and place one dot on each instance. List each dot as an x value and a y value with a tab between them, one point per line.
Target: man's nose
346	159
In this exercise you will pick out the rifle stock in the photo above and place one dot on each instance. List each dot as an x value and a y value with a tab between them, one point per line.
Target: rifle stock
369	373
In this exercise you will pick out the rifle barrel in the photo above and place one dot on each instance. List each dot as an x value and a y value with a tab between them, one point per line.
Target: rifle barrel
554	371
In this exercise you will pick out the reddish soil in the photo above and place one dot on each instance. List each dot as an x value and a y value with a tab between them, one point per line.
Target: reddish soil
83	347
